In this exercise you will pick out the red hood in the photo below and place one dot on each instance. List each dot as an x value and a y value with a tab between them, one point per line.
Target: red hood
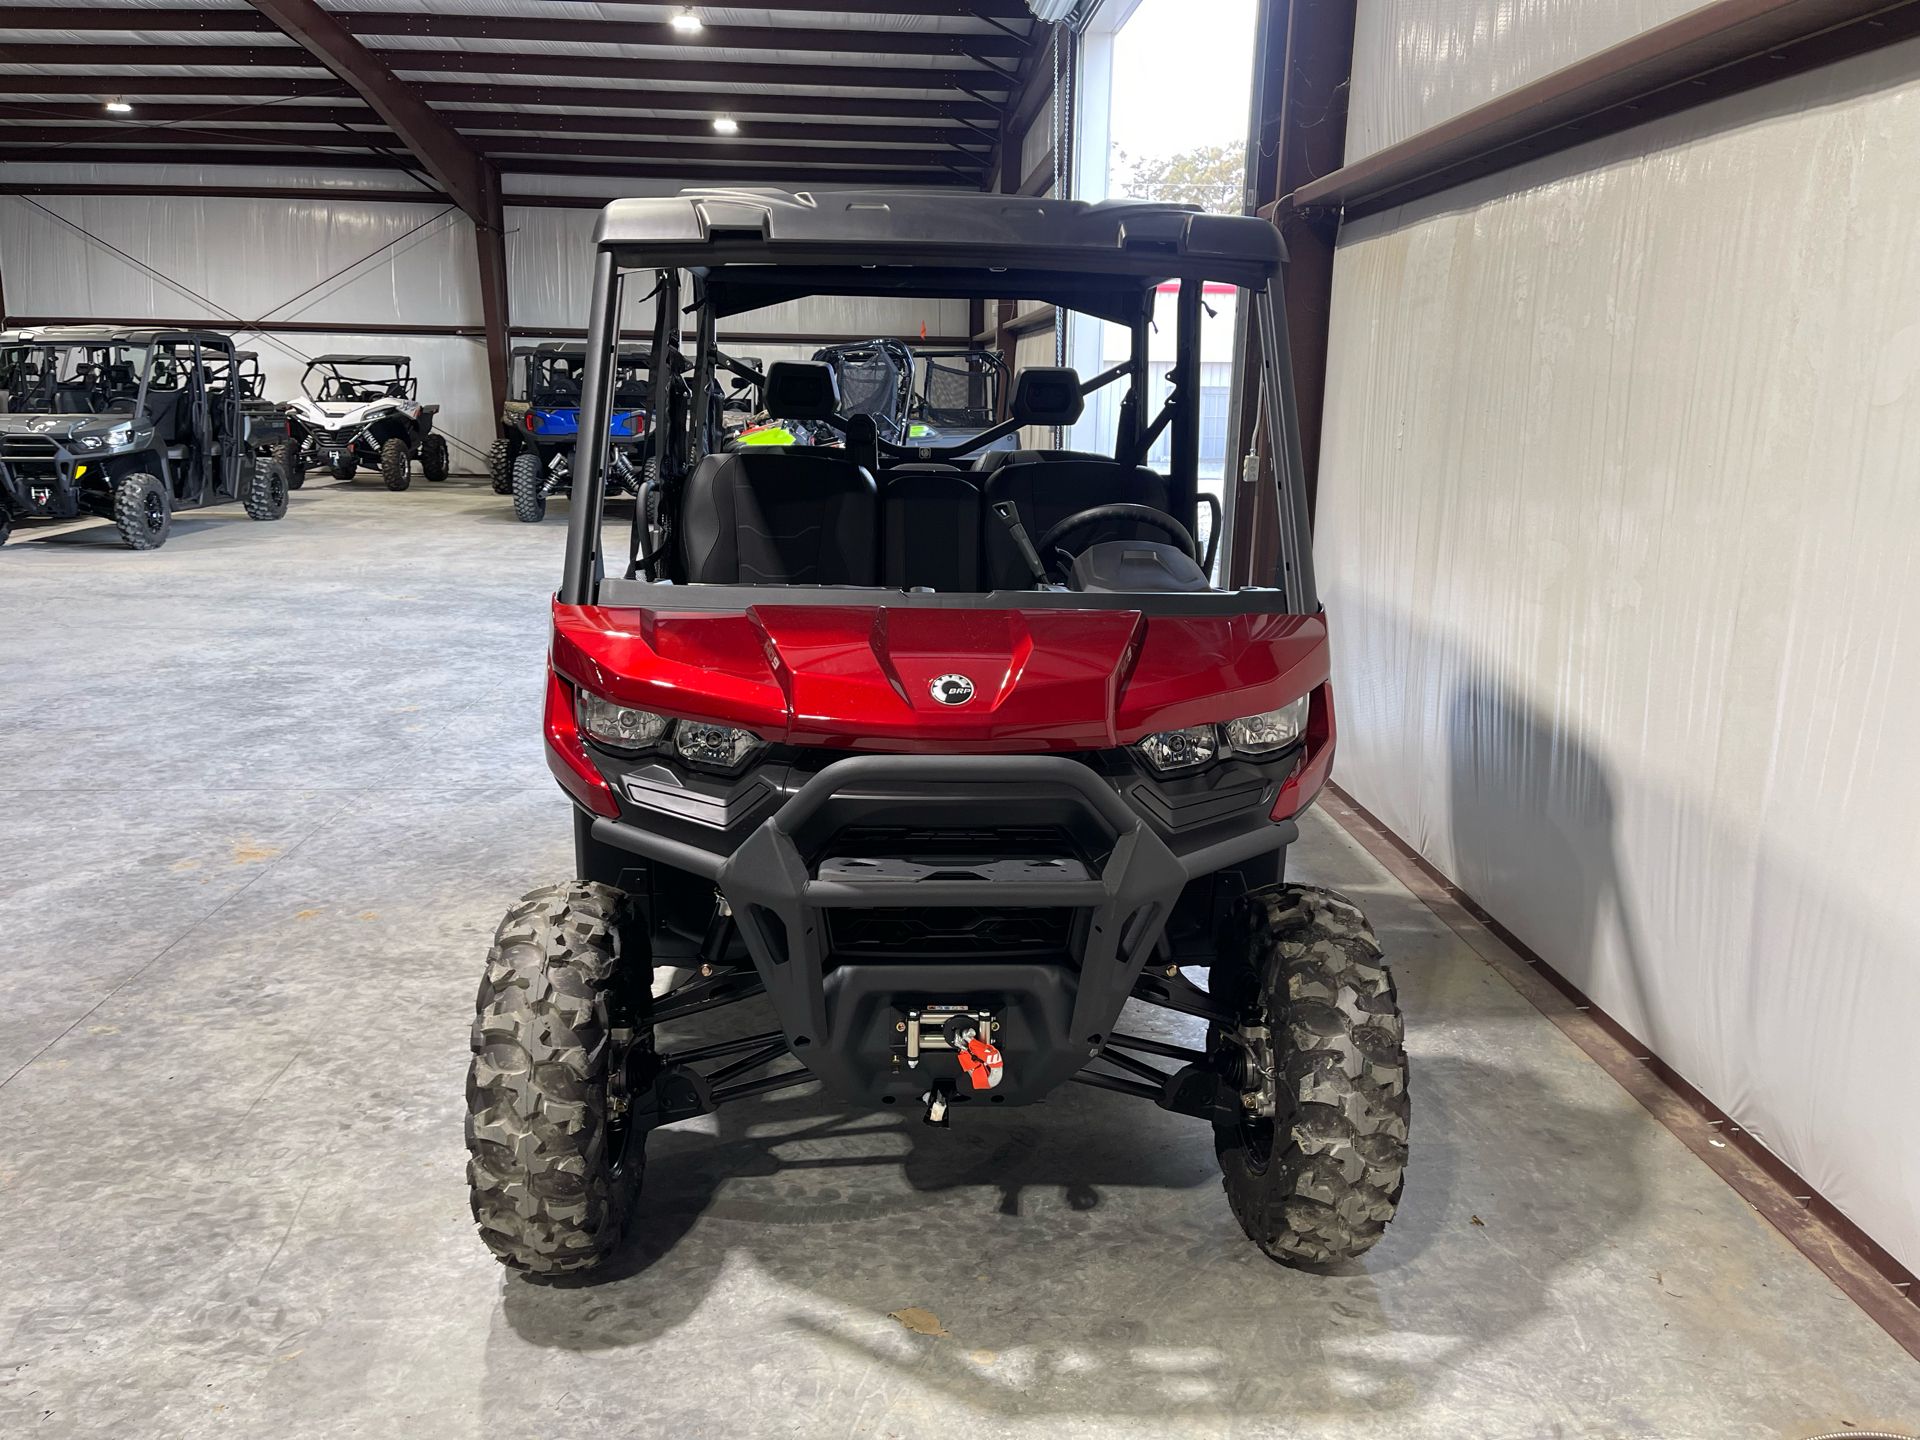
859	677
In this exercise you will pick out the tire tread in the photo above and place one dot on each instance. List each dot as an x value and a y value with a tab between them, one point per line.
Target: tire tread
1340	1148
544	1189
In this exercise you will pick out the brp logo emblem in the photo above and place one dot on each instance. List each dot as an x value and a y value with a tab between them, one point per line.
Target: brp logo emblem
951	689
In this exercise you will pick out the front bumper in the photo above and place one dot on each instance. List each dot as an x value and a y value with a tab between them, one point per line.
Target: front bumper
812	866
45	480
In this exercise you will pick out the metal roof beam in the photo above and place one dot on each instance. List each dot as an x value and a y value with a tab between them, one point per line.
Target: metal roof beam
140	141
645	127
454	165
732	38
469	180
487	93
638	169
571	66
185	19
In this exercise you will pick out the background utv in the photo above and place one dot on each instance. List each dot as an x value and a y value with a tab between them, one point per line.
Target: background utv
133	424
533	458
944	752
363	410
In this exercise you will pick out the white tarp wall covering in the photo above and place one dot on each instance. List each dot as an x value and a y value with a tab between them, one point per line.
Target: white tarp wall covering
1617	522
345	261
1419	62
352	262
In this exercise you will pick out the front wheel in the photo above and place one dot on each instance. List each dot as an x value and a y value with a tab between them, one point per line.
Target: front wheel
552	1170
6	524
1312	1133
396	466
500	466
344	469
529	487
436	463
266	497
142	510
290	465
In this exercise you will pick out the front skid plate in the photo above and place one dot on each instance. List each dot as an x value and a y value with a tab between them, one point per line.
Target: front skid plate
842	1027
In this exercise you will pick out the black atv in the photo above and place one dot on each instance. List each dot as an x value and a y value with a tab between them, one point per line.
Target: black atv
132	424
364	410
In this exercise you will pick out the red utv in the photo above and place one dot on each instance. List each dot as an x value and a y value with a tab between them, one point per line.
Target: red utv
945	751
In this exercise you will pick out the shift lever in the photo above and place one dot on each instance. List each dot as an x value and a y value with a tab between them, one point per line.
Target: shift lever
1008	515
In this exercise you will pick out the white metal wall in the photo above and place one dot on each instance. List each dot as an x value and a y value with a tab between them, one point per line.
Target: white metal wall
1419	62
342	261
345	261
1617	510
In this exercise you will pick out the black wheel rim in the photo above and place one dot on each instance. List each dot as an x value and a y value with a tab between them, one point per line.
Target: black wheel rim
277	490
156	512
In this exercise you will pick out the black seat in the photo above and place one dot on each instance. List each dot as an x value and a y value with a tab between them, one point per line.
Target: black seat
1048	491
930	529
172	420
806	517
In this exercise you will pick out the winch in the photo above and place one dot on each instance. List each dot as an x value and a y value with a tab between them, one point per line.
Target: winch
962	1031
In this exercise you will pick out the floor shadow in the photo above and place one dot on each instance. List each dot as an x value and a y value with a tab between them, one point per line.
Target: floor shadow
1089	1237
105	536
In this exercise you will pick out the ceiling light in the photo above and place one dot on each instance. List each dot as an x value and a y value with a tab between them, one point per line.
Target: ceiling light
688	23
119	107
726	125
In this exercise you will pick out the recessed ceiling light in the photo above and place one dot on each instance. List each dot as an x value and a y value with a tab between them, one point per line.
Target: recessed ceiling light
688	23
726	125
119	107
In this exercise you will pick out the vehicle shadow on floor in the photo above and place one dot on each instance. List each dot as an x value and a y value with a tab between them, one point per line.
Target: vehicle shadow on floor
94	533
1081	1259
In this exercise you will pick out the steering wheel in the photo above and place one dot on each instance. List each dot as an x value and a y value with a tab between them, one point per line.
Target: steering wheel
1107	514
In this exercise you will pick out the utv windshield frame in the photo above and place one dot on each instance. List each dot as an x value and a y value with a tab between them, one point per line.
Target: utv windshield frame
531	361
44	397
157	347
332	370
744	250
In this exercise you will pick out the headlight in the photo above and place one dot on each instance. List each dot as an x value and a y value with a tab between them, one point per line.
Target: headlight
1254	736
1264	734
1172	750
120	435
720	746
617	727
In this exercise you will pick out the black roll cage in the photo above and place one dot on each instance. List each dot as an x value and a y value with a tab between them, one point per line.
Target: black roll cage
990	362
731	276
404	385
632	364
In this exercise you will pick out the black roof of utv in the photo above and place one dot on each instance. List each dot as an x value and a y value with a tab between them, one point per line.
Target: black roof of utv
1096	256
108	335
577	350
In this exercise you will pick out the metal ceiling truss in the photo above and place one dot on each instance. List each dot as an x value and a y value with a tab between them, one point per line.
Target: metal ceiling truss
921	102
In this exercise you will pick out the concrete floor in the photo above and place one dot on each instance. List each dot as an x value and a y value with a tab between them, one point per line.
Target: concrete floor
263	796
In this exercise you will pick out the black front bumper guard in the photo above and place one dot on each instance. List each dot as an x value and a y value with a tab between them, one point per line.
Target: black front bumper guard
1057	1016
